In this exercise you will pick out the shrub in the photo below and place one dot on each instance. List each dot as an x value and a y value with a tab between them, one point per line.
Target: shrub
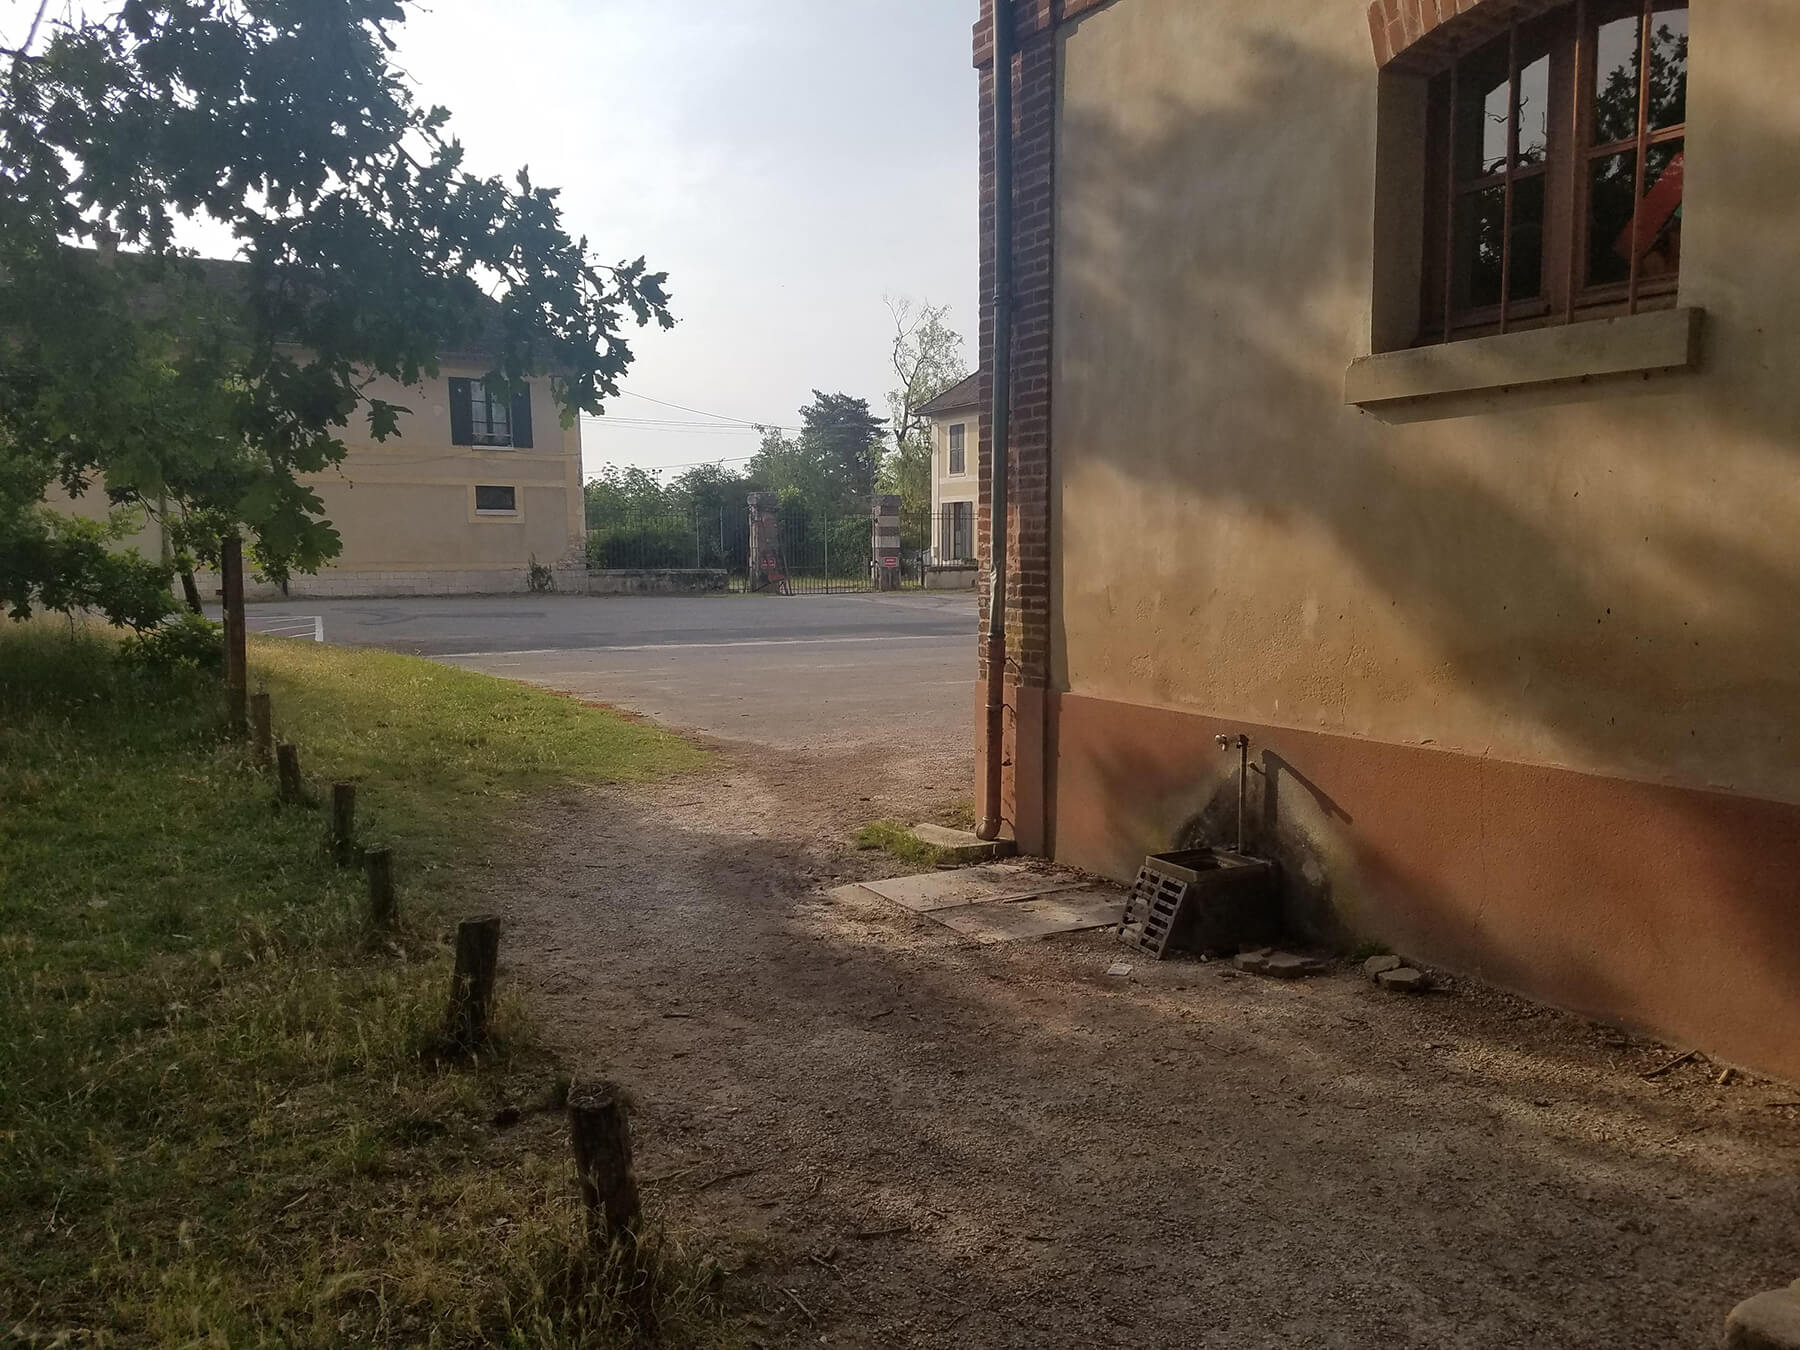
539	579
647	543
185	641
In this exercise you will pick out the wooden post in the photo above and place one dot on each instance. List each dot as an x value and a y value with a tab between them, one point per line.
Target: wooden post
380	864
237	676
600	1133
472	986
262	729
343	823
287	760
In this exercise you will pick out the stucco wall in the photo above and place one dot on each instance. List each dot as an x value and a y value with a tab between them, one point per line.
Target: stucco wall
147	539
409	503
1596	577
946	487
405	508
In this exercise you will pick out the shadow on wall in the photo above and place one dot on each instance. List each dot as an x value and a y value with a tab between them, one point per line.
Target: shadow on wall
1608	572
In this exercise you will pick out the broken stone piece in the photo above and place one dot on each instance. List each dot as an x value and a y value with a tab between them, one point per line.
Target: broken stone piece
1280	965
1766	1322
1376	965
1290	966
1404	980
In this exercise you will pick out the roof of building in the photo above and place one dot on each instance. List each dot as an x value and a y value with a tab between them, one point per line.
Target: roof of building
957	398
231	279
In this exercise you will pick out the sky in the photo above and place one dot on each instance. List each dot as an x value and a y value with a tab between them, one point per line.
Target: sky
787	162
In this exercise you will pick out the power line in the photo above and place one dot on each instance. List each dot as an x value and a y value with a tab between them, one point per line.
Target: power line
698	412
661	468
680	428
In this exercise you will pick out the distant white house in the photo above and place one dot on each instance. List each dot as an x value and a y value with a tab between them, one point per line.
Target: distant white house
955	417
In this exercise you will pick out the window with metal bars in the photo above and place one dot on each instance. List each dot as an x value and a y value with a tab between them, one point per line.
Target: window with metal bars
1554	170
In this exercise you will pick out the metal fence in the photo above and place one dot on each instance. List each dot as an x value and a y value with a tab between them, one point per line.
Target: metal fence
713	540
950	534
819	551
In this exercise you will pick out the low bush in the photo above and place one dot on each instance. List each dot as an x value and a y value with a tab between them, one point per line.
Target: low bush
185	641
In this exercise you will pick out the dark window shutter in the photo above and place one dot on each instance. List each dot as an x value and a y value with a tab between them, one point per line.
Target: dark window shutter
461	414
521	419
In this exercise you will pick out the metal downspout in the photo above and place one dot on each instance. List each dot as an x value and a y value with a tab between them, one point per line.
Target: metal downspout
995	646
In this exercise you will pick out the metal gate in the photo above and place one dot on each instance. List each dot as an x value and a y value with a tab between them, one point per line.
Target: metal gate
823	553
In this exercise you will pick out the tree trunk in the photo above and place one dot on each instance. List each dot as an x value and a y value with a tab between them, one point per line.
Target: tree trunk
237	670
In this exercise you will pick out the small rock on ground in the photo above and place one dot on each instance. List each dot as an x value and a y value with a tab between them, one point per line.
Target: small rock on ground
1767	1322
1404	980
1280	965
1376	966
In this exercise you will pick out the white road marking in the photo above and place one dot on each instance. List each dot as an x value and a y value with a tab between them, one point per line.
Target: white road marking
704	646
300	626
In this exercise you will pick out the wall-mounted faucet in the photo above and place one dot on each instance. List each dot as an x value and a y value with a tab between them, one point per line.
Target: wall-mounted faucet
1242	742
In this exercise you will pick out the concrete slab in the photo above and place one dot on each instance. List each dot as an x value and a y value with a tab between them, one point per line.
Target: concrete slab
1001	902
972	886
961	845
1073	911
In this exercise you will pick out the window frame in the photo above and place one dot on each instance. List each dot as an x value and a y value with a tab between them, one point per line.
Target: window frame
953	450
480	397
496	511
1570	37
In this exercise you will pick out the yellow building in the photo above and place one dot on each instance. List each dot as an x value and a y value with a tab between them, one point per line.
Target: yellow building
953	415
470	492
1383	391
461	502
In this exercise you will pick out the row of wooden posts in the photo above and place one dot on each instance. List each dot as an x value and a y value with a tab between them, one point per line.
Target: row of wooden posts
599	1116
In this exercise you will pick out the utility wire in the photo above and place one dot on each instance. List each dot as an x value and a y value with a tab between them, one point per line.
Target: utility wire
592	474
698	412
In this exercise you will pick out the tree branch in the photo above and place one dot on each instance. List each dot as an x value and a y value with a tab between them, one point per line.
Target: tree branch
31	33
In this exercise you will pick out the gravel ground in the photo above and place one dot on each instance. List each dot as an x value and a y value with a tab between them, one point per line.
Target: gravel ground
897	1139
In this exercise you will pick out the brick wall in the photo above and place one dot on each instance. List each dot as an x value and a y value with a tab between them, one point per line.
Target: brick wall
1028	483
1421	35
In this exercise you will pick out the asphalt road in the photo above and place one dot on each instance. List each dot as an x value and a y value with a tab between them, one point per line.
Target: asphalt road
804	671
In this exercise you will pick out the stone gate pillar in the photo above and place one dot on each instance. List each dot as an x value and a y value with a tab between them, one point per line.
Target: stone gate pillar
884	527
765	541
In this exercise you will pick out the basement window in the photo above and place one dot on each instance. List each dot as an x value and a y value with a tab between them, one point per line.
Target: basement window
496	501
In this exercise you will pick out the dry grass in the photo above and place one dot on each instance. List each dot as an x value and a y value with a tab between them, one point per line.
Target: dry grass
223	1115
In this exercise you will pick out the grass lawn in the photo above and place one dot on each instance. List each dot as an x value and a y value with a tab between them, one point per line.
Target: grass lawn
224	1118
898	841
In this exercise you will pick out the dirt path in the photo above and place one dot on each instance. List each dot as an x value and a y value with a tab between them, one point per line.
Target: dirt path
989	1147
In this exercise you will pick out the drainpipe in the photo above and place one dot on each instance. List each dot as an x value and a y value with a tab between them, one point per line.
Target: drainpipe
995	646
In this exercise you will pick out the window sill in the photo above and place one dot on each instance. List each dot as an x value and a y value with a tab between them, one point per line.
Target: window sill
1666	340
